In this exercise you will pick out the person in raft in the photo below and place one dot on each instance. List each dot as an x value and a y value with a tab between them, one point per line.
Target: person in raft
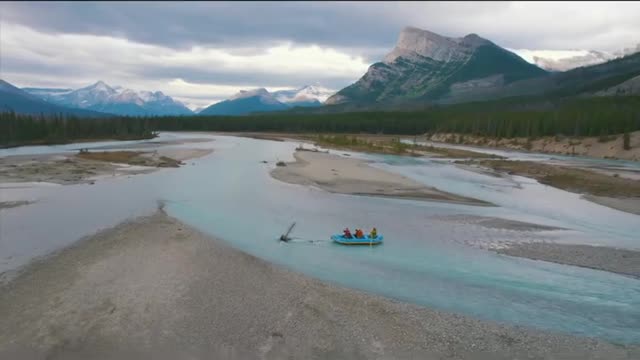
347	233
359	234
374	233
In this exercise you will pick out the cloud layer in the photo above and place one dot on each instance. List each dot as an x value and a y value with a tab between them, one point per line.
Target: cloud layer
203	52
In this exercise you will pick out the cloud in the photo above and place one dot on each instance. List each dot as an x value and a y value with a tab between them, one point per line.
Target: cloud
604	26
31	57
229	45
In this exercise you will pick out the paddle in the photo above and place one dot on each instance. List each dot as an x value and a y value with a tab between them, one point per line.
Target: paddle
285	237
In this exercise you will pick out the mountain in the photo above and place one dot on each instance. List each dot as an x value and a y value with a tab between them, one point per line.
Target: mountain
629	87
306	96
426	66
20	101
246	102
116	100
563	60
582	81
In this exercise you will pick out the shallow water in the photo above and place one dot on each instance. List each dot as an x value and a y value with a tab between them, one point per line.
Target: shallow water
425	258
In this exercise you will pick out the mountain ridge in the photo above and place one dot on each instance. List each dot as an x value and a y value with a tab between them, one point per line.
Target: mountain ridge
261	100
425	65
117	100
17	100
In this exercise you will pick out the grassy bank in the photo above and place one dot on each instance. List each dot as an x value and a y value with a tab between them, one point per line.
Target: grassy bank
566	178
384	144
130	157
618	146
64	141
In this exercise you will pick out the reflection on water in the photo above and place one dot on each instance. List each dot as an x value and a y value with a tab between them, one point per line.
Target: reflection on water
230	194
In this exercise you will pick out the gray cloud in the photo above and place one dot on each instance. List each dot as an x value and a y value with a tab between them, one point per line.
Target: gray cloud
213	76
341	24
251	29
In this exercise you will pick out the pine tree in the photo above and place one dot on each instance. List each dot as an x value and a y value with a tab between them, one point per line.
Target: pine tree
626	141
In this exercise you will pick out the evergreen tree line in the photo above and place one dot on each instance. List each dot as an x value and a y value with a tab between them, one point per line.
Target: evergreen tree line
581	117
20	129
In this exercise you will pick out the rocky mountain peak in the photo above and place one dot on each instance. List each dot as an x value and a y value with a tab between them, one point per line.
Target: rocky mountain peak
425	66
474	40
101	86
414	42
249	93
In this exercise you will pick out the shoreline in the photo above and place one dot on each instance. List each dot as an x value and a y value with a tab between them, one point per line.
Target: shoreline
594	147
614	260
630	205
153	286
347	176
611	190
80	168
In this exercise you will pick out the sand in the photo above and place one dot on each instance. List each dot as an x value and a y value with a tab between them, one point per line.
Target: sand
494	223
602	187
584	146
621	261
66	169
629	204
156	288
12	204
352	176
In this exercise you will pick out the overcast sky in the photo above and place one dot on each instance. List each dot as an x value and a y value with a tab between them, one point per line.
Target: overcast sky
202	52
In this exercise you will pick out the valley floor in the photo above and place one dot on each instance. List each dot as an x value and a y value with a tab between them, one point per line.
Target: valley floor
156	288
352	176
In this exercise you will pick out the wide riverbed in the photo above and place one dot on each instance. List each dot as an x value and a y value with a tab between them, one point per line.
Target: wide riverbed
430	256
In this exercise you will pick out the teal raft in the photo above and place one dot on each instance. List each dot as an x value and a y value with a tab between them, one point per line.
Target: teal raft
340	239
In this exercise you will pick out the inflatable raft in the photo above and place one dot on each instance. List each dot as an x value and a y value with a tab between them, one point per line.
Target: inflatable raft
340	239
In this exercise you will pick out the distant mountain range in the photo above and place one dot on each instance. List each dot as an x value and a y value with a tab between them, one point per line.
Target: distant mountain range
551	60
423	69
114	100
261	100
20	101
564	60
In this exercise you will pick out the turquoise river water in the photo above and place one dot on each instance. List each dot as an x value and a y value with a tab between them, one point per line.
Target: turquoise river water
430	257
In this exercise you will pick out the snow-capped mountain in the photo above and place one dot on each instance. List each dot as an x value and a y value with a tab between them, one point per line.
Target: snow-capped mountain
261	100
565	60
246	102
114	100
23	102
309	95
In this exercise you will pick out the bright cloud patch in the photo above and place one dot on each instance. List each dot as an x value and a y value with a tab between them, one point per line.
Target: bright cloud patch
32	58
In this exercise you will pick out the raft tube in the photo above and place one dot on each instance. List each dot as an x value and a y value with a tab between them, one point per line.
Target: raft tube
340	239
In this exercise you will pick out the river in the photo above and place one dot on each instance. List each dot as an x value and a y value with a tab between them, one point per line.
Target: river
426	258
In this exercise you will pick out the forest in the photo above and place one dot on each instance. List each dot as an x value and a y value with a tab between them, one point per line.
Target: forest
599	116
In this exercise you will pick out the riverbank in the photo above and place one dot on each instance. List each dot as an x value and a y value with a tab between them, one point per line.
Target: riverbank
604	147
87	167
621	261
607	189
70	141
156	288
369	143
355	177
12	204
